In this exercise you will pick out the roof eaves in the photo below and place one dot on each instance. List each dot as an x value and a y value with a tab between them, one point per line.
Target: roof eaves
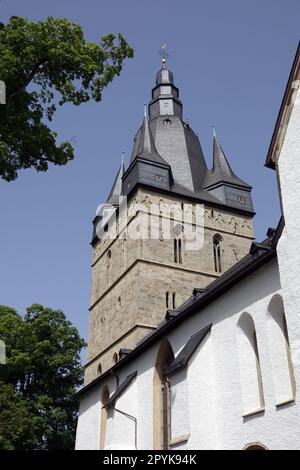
121	389
269	163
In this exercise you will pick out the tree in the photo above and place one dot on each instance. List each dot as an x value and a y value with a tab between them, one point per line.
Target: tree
38	403
44	64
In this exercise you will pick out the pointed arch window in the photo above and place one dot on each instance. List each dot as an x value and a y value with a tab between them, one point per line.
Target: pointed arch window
217	244
178	244
103	424
115	358
280	353
250	371
162	397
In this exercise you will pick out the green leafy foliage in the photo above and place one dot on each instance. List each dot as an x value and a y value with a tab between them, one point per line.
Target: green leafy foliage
38	403
45	64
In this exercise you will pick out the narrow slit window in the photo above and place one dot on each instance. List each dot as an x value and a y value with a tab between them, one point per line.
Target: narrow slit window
175	250
174	300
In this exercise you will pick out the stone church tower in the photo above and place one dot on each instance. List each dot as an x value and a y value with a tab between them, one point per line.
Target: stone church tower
137	281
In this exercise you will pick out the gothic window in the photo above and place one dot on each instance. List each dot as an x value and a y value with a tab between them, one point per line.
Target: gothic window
280	353
250	371
103	424
178	244
167	299
115	358
162	398
217	244
99	369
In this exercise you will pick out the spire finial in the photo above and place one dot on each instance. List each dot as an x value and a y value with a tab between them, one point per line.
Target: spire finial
214	131
164	55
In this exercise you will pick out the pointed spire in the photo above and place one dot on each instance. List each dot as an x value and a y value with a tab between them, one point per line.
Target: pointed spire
220	162
116	189
146	148
221	170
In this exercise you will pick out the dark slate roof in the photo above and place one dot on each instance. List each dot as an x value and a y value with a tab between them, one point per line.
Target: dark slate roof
187	351
116	189
258	256
221	171
121	389
164	77
175	142
201	195
124	352
181	149
178	144
145	146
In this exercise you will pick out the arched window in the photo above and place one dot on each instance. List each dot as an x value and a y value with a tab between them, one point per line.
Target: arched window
115	358
162	398
174	300
178	244
282	368
99	369
250	372
255	446
217	241
104	400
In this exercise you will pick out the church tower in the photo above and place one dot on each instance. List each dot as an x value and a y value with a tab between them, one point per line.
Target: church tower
138	281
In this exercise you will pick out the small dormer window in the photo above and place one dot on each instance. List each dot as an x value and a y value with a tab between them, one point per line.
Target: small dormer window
158	177
241	199
167	122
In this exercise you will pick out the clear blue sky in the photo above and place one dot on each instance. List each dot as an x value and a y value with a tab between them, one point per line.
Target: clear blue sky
231	61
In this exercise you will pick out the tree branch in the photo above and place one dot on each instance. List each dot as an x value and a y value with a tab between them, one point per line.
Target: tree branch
27	81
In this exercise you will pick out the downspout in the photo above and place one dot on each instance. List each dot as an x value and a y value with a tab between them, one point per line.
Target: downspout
133	418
